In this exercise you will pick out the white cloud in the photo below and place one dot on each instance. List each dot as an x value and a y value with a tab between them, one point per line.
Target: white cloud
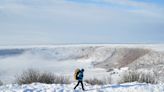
140	7
56	7
131	3
13	8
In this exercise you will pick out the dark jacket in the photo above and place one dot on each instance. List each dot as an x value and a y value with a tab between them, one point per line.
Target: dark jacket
80	76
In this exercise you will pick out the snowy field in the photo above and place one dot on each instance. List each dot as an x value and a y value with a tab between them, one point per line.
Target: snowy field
96	59
37	87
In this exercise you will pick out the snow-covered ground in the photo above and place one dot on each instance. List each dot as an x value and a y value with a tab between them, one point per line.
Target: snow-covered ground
38	87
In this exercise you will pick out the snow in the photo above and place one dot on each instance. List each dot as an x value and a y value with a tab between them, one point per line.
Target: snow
38	87
153	46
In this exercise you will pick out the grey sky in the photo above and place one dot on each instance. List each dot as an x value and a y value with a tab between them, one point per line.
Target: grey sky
72	21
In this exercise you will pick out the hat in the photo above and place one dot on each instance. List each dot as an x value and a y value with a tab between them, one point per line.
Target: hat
82	69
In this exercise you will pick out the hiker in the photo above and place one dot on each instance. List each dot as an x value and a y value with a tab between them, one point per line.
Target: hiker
79	77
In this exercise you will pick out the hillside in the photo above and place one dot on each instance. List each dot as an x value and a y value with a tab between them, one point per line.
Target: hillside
96	59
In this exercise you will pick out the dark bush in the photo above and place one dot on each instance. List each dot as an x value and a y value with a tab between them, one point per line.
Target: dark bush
1	83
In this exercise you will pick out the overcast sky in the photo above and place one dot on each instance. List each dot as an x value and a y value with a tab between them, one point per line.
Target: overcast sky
81	21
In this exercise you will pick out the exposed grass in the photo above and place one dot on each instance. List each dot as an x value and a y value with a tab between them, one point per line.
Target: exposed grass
130	76
94	81
107	80
62	79
31	76
141	77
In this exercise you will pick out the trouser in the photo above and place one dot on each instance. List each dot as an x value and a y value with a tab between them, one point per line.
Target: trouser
78	84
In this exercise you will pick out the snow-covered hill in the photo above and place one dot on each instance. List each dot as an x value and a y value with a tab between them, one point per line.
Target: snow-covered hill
95	59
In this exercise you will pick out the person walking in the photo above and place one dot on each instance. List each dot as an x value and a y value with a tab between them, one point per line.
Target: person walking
79	77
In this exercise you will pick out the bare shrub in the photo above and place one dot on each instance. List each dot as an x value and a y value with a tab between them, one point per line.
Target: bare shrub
1	83
107	80
31	76
46	78
132	76
147	78
61	79
28	77
94	81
